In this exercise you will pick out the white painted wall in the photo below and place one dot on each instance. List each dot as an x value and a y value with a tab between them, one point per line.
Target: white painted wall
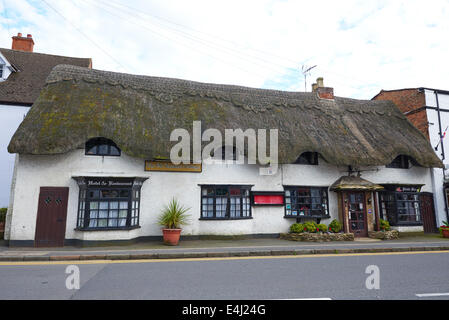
438	173
36	171
10	119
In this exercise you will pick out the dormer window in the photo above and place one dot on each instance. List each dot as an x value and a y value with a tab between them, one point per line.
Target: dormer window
102	147
310	158
400	162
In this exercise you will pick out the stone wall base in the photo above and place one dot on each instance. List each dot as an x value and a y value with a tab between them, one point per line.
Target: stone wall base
384	235
317	237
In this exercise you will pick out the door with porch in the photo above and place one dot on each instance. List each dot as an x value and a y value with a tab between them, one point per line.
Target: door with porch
51	217
356	213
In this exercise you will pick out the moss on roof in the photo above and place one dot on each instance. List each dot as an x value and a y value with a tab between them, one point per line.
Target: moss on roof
139	112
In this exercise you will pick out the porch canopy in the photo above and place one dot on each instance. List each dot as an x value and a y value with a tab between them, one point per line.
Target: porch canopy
354	183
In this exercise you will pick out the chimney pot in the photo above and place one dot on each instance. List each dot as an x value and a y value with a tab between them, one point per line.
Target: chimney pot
322	91
22	43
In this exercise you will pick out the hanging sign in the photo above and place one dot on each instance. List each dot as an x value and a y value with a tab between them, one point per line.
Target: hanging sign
171	167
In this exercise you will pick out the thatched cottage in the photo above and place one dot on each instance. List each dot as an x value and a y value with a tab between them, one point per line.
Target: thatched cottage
90	161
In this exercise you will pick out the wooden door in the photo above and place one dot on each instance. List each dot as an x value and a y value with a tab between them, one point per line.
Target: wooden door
427	212
357	214
51	217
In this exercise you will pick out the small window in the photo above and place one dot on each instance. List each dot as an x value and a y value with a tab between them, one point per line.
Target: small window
400	162
306	202
308	158
225	202
102	147
1	71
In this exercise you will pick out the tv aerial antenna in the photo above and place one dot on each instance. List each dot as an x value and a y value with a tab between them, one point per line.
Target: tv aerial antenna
306	70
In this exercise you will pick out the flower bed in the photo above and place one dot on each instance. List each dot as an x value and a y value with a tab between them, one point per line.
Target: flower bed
317	237
384	235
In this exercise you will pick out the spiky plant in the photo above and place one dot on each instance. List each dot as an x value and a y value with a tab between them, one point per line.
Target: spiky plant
173	215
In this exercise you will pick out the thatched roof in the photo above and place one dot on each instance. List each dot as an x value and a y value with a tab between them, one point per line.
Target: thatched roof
139	112
354	183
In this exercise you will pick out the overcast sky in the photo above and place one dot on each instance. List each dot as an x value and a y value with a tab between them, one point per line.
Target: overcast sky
359	47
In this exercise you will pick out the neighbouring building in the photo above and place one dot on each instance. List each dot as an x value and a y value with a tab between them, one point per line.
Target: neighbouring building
428	110
22	76
92	161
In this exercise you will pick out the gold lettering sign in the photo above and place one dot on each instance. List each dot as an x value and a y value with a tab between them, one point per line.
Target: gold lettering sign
168	166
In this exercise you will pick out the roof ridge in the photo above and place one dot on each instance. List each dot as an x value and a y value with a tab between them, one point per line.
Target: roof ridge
44	54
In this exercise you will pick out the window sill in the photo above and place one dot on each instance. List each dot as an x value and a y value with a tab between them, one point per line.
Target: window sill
226	219
316	216
407	224
107	229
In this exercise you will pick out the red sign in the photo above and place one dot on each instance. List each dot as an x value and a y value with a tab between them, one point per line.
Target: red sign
268	199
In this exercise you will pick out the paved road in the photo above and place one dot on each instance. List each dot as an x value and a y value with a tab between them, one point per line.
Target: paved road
402	276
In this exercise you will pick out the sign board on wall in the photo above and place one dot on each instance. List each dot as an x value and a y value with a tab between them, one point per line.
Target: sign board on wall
171	167
267	198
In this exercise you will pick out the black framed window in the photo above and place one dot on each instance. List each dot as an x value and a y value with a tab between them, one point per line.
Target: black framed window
102	147
310	158
108	204
400	162
1	71
401	206
306	202
223	202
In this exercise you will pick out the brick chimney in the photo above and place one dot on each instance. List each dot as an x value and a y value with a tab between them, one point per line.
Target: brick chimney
322	91
22	43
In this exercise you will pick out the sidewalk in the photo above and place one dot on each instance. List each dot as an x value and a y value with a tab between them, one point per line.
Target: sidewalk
223	248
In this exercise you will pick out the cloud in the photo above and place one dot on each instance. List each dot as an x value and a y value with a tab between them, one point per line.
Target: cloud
359	47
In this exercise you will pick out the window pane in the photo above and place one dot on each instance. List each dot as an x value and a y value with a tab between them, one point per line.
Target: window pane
114	151
102	222
123	213
103	205
113	205
123	204
103	213
92	150
103	149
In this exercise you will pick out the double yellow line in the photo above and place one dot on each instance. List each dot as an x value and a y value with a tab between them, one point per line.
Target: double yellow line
333	255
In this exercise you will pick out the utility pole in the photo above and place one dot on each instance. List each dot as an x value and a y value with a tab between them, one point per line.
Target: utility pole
306	70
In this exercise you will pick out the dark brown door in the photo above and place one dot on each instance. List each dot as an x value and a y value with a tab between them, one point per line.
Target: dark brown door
427	212
357	214
51	217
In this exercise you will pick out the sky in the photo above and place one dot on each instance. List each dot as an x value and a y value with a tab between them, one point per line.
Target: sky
358	47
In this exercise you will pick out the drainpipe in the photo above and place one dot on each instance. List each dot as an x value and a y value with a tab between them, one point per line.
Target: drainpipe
442	150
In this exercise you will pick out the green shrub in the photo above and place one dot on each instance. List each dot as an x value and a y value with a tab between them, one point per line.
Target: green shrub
310	226
297	228
322	227
3	214
335	226
173	215
384	225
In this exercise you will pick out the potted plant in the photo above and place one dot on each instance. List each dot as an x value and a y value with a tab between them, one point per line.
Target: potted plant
444	229
172	217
